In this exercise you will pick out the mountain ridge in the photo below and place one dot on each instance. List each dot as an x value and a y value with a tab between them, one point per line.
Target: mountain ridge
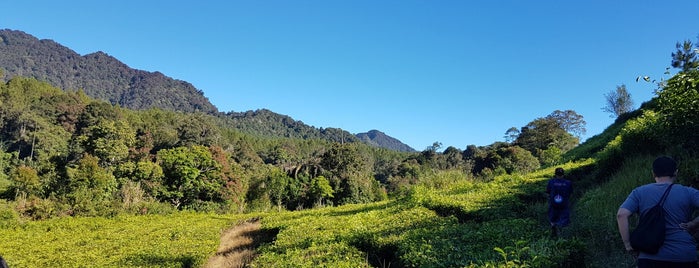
379	139
98	74
105	77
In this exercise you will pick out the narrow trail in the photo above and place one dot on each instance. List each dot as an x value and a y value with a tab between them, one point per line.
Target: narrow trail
239	243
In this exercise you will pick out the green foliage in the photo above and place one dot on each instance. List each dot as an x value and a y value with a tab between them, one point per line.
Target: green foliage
349	172
553	130
148	174
175	240
26	180
594	144
569	120
191	174
685	57
91	188
5	166
278	186
9	218
641	134
678	108
320	189
197	129
551	156
517	160
108	140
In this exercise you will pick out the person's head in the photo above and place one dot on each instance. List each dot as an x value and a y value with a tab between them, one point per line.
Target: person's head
664	166
559	172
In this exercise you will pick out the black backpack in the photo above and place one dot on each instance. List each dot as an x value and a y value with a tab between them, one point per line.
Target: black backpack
649	235
560	192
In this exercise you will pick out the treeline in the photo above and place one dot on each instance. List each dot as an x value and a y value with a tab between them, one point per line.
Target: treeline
64	153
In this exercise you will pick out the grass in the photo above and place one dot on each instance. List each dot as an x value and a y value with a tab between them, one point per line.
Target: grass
458	225
178	240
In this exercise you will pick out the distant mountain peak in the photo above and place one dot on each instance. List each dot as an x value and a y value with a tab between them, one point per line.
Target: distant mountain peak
380	139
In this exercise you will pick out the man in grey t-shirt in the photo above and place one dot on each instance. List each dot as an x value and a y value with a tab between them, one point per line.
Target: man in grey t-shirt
679	248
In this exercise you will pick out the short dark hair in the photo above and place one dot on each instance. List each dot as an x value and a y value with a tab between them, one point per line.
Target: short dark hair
664	166
559	172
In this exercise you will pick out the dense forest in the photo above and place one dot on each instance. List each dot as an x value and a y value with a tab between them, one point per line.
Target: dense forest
65	153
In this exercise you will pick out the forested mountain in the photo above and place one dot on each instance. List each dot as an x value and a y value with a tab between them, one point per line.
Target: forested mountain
104	77
380	139
101	76
267	123
264	122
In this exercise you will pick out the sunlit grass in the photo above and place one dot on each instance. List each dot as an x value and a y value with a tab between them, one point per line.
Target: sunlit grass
178	240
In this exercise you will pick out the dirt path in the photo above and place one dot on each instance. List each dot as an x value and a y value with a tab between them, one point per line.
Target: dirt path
238	245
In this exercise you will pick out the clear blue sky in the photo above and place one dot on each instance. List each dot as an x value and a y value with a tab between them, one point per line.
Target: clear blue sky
457	72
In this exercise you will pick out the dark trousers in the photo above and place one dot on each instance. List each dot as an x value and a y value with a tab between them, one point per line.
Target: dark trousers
648	263
559	216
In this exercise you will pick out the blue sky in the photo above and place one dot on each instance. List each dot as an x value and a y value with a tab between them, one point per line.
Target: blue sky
456	72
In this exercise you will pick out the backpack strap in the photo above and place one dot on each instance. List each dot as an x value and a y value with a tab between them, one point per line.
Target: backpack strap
667	191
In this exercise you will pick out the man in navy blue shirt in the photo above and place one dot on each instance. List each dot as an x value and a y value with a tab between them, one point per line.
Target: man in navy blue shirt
559	190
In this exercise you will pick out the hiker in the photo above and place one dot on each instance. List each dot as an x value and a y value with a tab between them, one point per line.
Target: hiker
559	190
678	249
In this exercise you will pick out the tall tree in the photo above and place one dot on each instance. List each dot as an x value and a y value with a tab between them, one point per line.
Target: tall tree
453	158
618	101
108	140
90	186
515	159
569	121
191	175
685	58
319	189
348	172
511	134
551	131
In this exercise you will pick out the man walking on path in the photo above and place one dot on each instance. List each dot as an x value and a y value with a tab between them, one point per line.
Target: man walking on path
559	190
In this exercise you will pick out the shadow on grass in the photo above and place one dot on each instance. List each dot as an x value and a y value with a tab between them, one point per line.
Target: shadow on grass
363	209
383	256
146	259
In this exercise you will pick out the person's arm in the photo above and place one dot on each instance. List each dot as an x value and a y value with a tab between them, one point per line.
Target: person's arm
622	220
690	226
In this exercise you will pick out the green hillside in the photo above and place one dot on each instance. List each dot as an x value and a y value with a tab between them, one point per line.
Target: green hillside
85	183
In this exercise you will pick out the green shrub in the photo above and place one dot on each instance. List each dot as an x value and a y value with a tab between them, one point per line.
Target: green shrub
152	208
9	217
678	109
642	135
